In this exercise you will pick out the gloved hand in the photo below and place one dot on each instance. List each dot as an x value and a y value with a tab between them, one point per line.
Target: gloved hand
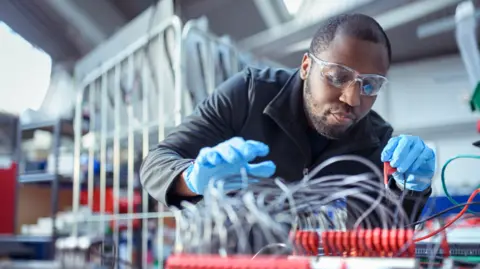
226	160
413	160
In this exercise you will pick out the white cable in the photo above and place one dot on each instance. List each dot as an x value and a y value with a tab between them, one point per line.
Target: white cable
266	206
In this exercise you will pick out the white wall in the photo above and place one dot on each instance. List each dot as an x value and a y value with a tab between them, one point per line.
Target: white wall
427	98
427	94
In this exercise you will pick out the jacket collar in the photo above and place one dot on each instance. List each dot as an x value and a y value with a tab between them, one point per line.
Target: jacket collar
287	110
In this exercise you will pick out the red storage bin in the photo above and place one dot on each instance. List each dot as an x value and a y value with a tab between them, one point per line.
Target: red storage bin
9	159
109	202
8	177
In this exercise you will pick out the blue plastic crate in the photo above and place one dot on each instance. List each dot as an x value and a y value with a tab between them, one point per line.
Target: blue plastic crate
440	203
27	247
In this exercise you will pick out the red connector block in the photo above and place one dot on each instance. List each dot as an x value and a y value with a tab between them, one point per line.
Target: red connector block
306	243
185	261
368	243
360	243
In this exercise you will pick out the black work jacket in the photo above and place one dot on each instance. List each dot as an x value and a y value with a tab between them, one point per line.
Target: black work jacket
264	105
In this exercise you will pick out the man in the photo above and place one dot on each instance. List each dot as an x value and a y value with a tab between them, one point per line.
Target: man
277	122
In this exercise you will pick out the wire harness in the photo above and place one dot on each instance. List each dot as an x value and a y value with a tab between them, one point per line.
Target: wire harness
277	217
265	224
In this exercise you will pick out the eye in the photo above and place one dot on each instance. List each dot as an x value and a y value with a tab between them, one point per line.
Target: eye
342	78
337	79
368	89
371	85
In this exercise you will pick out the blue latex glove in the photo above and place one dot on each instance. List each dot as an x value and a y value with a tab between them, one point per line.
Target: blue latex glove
225	160
414	161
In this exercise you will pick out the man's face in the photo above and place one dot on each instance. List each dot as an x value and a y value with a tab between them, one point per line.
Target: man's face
333	110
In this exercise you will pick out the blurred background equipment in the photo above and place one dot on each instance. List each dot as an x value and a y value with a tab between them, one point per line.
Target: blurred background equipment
98	82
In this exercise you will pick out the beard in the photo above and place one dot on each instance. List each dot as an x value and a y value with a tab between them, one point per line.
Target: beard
317	117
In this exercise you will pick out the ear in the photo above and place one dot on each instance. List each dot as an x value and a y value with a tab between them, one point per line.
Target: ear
305	66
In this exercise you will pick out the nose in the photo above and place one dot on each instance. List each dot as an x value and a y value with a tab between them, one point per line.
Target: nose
351	94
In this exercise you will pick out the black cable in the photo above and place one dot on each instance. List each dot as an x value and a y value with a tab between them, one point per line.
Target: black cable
405	248
443	212
402	197
261	185
416	206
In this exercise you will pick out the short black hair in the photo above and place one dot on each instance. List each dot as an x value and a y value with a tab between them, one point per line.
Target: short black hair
358	26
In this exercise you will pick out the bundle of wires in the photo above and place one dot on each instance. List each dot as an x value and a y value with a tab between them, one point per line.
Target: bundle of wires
260	218
262	215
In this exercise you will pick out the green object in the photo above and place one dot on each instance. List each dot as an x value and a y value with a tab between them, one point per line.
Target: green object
475	101
444	185
470	259
108	230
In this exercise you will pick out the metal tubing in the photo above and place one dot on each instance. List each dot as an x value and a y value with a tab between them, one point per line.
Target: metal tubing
78	124
178	71
103	147
153	215
130	151
174	23
145	146
19	159
161	135
106	135
234	62
192	27
55	184
116	147
132	127
91	150
209	63
210	60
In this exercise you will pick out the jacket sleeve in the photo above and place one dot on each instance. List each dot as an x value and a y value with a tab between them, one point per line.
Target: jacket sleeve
215	120
412	202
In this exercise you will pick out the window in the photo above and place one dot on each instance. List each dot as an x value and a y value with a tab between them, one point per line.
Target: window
24	72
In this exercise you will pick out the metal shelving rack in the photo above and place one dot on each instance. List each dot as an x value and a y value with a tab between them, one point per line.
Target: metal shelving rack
20	246
59	128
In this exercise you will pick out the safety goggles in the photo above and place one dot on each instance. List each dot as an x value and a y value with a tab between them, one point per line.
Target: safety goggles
341	76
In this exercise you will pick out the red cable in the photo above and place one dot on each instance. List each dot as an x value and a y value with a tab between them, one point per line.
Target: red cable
459	215
387	171
444	245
